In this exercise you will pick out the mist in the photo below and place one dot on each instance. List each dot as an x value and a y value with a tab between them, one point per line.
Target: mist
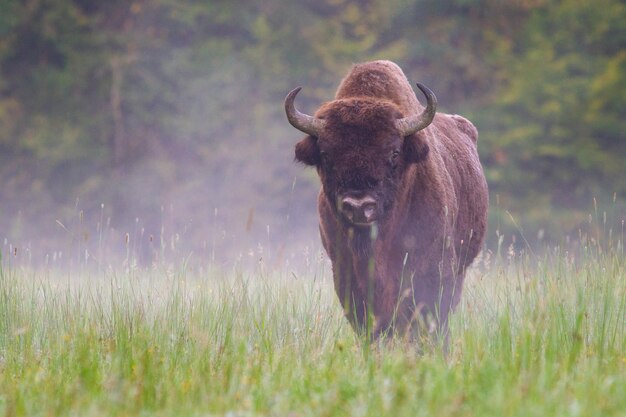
147	133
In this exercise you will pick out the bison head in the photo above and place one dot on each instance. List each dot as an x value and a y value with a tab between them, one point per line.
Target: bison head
360	147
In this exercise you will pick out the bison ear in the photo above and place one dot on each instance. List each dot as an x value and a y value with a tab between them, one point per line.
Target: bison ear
307	151
415	148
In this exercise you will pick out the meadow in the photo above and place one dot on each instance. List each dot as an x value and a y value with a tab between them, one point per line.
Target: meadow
535	335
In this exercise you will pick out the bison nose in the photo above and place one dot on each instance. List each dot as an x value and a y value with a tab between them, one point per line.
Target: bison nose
359	210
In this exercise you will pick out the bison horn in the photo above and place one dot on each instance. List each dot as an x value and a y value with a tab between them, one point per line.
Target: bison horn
307	124
411	124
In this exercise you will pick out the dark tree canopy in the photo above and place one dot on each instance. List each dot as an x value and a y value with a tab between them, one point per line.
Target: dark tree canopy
163	118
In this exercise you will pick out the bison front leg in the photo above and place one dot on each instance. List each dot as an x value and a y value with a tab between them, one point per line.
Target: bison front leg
352	294
351	298
426	305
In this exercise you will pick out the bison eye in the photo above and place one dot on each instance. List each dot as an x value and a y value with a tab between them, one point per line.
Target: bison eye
393	158
325	159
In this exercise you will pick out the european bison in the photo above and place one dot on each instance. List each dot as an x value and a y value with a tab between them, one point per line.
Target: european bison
403	204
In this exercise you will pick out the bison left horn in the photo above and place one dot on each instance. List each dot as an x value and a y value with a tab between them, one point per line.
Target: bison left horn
411	124
307	124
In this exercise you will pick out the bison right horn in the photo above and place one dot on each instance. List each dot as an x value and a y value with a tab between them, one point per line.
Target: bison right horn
411	124
303	122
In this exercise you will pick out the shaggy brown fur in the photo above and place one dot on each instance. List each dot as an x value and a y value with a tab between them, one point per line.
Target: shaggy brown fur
430	200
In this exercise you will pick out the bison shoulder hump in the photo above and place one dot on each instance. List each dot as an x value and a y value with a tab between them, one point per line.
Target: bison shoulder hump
466	127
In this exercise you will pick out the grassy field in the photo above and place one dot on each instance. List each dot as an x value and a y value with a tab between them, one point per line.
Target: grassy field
534	336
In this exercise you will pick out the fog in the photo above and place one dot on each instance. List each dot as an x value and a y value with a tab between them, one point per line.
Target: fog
140	134
201	214
201	191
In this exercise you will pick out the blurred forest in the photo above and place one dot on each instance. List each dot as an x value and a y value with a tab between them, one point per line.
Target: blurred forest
157	126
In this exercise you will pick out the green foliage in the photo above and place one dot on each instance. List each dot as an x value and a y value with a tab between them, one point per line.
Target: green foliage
147	104
556	129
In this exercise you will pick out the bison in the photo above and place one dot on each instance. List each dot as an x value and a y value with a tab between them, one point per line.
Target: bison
403	202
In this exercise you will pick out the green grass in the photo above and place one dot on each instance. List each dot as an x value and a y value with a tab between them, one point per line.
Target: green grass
534	336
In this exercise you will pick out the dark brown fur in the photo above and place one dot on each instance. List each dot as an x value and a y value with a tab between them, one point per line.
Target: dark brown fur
430	192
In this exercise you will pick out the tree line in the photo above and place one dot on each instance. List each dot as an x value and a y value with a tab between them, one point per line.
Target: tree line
163	118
